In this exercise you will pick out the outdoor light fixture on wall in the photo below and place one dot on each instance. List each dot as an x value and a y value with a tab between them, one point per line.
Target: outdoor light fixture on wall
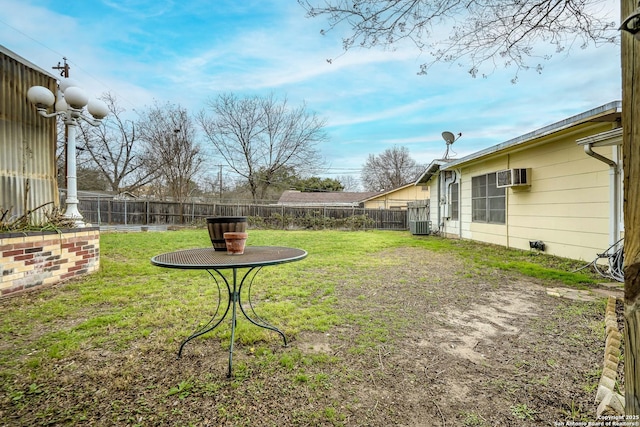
632	23
69	105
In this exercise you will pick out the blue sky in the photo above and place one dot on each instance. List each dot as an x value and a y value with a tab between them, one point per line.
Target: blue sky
189	51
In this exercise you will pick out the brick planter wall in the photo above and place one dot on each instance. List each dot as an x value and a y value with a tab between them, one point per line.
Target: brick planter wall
33	259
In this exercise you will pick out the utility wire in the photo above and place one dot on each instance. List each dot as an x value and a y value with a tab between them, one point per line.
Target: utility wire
31	38
70	61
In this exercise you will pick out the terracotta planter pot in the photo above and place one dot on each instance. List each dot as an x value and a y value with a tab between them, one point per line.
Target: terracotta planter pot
219	225
235	242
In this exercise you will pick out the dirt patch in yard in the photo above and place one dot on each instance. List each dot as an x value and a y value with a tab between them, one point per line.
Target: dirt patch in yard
424	340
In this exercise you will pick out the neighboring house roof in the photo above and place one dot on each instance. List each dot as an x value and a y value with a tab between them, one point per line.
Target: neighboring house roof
610	112
326	198
103	194
93	194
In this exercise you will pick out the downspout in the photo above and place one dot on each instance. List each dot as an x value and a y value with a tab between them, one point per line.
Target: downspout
459	178
506	207
614	227
439	191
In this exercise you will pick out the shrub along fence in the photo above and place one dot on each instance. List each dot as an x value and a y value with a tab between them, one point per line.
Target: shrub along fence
147	212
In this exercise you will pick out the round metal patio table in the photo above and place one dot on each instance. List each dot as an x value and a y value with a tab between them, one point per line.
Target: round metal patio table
253	259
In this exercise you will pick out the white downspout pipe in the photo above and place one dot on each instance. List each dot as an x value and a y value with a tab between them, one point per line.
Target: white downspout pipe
614	214
439	207
459	178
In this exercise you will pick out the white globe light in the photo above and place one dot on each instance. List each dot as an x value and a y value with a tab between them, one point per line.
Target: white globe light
76	97
61	104
41	96
67	83
97	108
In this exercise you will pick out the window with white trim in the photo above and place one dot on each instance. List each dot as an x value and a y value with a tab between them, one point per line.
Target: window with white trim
453	197
488	202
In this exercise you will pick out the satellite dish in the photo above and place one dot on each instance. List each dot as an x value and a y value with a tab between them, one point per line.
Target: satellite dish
448	137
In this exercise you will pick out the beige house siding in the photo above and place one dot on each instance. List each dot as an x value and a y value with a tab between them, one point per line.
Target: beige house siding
568	205
398	198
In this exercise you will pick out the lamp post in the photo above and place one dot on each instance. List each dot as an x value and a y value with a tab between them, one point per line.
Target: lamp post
69	105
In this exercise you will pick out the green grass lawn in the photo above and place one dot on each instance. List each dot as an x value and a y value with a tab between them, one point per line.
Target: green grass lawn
129	296
130	302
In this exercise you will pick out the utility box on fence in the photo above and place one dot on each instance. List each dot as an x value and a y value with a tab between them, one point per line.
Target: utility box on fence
420	227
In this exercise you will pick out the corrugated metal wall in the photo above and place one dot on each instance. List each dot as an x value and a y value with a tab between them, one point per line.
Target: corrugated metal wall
27	141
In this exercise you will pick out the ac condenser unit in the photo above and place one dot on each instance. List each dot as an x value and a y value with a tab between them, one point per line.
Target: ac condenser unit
420	227
519	177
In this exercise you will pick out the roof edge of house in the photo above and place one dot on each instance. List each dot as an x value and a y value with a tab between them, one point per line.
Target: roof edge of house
432	168
26	62
616	106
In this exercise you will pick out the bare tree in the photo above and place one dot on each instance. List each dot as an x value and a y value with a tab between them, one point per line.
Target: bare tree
258	137
349	183
391	169
495	33
115	149
169	136
91	178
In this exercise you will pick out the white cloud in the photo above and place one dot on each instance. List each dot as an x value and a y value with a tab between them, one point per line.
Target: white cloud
186	52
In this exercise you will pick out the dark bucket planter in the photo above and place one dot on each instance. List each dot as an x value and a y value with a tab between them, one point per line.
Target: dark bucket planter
219	225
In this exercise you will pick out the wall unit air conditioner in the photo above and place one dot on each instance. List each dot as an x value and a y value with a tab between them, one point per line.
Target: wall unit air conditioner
518	177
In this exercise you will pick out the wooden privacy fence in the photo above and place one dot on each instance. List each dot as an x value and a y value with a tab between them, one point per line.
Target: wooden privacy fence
146	212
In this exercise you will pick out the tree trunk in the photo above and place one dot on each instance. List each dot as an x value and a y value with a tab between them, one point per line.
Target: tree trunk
631	164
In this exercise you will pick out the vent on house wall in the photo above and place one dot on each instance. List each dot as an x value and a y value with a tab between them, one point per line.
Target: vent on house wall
513	177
